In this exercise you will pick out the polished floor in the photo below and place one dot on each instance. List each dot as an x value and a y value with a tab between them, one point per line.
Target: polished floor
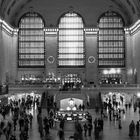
110	132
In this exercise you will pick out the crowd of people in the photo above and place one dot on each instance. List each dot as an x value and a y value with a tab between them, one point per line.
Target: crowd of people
21	120
16	117
84	130
45	124
134	128
115	113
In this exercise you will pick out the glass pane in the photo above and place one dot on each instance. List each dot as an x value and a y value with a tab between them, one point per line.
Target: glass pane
71	50
111	47
31	41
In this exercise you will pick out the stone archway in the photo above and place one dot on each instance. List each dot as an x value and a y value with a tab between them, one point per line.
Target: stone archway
121	98
65	103
81	98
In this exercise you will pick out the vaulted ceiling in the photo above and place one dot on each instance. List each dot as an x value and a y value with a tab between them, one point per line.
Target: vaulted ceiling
51	10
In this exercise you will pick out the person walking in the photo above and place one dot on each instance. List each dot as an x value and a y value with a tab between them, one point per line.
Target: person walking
89	129
137	128
131	128
62	122
102	124
95	123
85	129
30	118
110	115
119	124
96	132
76	136
61	134
21	122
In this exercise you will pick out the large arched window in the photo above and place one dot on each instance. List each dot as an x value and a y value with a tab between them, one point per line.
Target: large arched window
71	52
111	48
111	41
31	41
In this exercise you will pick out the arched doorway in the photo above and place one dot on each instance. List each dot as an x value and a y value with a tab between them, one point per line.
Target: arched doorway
70	103
117	99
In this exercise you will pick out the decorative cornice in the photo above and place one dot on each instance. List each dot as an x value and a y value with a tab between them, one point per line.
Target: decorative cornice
7	28
134	28
51	31
91	31
54	30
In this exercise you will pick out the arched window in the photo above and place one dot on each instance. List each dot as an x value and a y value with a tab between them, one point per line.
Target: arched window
71	52
111	48
111	41
31	41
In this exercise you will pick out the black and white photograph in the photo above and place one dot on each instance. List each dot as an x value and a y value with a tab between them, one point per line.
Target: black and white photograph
69	69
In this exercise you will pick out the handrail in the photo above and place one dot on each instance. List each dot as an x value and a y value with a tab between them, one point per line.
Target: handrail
71	91
12	86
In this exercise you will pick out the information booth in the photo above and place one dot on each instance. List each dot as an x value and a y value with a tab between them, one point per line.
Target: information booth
70	117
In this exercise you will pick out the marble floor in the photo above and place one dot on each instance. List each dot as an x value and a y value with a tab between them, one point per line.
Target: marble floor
110	132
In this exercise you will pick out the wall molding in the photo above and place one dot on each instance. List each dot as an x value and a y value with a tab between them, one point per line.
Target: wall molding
134	28
53	31
7	28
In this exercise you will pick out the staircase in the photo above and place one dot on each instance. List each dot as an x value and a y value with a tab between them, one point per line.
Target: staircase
95	102
43	103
